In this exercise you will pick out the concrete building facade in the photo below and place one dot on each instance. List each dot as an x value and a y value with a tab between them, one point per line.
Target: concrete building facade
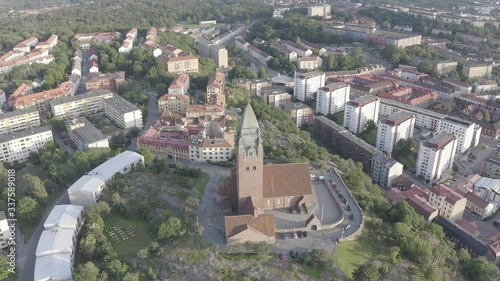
392	129
359	111
307	83
435	156
332	98
18	146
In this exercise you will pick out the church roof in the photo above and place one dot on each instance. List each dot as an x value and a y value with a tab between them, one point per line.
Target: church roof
262	223
287	180
249	137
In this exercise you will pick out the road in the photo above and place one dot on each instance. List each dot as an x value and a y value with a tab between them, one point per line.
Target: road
26	251
150	119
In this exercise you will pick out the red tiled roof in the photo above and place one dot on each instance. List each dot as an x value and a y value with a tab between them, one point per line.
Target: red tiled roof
443	191
476	200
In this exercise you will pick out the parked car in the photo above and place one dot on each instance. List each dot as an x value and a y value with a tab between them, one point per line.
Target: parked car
299	233
351	217
334	186
295	236
281	256
293	255
284	236
347	227
497	223
344	200
306	235
349	208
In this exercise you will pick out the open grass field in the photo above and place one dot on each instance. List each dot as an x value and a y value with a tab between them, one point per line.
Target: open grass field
350	255
370	136
141	238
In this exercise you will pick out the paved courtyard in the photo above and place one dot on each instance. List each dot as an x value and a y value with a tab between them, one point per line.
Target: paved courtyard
326	209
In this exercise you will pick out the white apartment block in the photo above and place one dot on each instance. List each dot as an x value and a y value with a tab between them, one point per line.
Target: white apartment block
4	230
385	170
392	129
85	135
18	146
210	150
123	113
436	156
359	111
309	63
331	98
19	120
308	83
80	105
467	133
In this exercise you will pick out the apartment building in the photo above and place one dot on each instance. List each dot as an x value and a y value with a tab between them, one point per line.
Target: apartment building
435	156
80	105
197	110
258	54
301	113
300	50
220	55
309	63
105	81
215	84
331	98
478	207
18	146
123	113
467	133
85	135
491	167
19	120
174	103
385	170
210	150
256	86
319	11
180	85
381	37
411	95
41	100
180	64
4	230
287	53
49	44
343	142
475	70
359	111
392	129
444	67
85	41
307	84
25	45
276	98
3	100
451	204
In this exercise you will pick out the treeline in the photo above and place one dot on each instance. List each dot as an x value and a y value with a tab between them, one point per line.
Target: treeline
344	62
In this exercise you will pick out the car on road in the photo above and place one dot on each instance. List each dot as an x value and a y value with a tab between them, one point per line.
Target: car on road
281	256
344	200
306	235
347	227
284	236
351	217
293	255
349	208
295	236
334	186
299	233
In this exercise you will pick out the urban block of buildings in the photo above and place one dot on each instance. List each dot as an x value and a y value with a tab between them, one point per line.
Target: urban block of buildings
19	120
307	84
105	81
180	85
17	146
80	105
85	41
123	113
85	135
174	103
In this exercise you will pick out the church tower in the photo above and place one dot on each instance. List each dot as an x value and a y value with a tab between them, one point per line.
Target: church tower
249	160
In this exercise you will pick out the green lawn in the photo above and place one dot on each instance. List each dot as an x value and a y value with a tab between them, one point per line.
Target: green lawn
350	255
340	118
409	161
313	271
142	238
370	136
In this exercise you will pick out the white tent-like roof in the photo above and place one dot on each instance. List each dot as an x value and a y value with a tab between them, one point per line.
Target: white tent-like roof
55	241
63	216
53	267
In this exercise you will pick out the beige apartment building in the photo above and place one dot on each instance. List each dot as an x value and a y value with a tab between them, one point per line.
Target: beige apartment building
19	120
180	64
105	81
80	105
215	84
173	103
451	204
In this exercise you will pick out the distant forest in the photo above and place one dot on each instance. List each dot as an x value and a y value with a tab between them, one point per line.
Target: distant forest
108	15
425	3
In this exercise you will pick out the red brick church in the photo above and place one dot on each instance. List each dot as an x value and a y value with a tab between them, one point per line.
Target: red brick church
254	187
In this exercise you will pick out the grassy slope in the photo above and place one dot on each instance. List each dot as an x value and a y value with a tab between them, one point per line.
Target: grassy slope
350	255
143	236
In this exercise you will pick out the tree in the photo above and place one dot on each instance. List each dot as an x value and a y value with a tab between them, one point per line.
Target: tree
5	274
134	132
58	124
366	272
35	187
28	209
131	276
100	208
480	269
425	67
486	115
117	270
171	228
87	272
148	156
262	73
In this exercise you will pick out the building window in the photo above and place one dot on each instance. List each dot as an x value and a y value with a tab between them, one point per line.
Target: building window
248	168
254	168
278	201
